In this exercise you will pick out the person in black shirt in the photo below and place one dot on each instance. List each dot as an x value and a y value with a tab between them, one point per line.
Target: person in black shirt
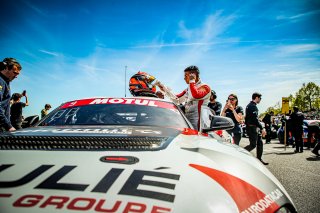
254	127
235	112
213	104
297	128
16	109
268	124
9	70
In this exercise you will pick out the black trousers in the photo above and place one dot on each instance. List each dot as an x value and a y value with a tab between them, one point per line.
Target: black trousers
297	134
236	138
268	135
316	147
255	140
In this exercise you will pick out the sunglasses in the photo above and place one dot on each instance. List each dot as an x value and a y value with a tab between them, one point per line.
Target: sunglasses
232	99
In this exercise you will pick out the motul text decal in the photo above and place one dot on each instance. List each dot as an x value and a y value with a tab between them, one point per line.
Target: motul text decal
134	101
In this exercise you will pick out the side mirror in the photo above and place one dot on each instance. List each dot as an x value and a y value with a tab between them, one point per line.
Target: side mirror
220	123
30	121
210	122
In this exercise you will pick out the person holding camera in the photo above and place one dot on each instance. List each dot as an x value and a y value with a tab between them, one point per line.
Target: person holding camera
235	112
9	70
16	117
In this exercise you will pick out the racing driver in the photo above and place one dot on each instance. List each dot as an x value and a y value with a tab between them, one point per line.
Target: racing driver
196	95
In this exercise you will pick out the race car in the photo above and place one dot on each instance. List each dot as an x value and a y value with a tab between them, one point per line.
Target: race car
131	155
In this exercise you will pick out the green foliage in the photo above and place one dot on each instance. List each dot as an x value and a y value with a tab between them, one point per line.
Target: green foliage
307	98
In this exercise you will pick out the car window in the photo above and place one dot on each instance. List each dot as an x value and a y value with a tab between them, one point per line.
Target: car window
116	114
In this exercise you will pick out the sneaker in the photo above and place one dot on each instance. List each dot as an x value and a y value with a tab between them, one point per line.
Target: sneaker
301	151
264	163
316	153
296	151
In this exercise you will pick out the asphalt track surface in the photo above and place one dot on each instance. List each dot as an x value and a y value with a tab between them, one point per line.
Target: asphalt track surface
299	173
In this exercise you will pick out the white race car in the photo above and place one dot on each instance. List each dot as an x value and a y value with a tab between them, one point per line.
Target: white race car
131	155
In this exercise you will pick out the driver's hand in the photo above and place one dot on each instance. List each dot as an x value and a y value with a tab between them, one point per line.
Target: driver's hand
192	76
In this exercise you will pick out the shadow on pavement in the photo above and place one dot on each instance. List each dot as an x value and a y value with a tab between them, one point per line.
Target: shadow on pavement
280	147
285	153
315	158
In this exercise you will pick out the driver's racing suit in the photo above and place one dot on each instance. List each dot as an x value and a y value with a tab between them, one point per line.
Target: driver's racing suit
195	96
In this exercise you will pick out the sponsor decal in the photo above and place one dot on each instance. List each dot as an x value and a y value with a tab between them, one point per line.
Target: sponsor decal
162	190
134	101
120	131
247	197
83	204
266	202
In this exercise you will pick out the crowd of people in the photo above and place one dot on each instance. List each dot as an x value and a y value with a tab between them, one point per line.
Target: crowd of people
196	95
11	106
199	94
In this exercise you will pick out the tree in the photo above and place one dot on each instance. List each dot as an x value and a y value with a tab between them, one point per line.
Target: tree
308	97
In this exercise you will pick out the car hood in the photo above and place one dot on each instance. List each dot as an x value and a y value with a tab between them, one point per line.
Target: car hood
190	173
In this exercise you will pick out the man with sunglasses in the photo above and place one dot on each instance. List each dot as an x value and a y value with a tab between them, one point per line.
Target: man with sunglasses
254	127
9	70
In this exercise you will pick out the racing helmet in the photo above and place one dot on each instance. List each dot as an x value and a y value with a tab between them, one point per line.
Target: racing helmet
140	84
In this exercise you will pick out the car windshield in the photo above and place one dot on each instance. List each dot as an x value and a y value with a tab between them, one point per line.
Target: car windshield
116	114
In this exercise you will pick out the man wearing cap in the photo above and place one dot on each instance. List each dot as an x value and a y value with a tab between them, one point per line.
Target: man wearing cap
9	70
196	95
213	104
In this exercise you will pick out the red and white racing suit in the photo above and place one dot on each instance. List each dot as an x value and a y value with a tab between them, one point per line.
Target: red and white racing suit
195	96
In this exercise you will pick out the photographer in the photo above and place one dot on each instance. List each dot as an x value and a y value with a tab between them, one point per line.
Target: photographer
235	112
16	109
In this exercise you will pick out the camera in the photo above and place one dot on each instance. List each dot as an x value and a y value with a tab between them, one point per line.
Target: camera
24	92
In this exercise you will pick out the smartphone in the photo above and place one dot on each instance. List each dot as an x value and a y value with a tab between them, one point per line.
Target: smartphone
24	92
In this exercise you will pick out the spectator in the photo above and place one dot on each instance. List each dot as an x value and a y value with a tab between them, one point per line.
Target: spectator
235	112
253	126
213	104
268	124
313	133
9	70
45	111
16	117
297	128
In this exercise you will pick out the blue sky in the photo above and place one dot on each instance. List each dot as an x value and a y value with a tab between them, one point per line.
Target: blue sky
74	49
